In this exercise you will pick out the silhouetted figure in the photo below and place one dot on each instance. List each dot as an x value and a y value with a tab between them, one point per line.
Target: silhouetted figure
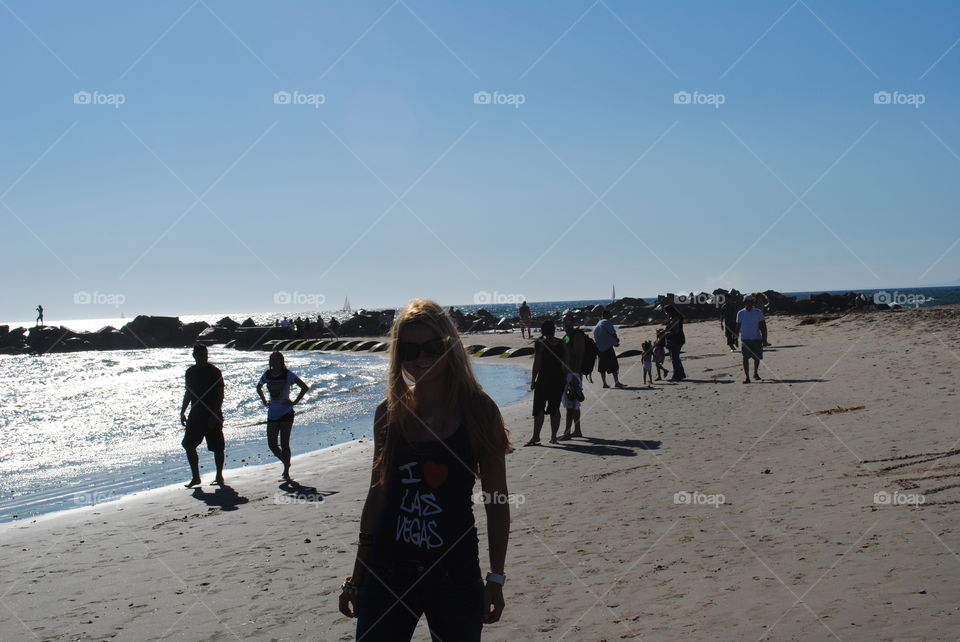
525	321
278	380
605	336
674	339
547	381
334	325
204	395
39	315
575	342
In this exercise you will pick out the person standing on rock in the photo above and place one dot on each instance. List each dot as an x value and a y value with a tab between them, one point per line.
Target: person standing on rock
278	380
204	396
575	342
605	335
674	339
547	381
752	328
39	315
525	321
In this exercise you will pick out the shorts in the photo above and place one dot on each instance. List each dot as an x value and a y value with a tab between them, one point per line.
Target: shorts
648	366
571	403
752	348
287	418
547	393
607	362
204	427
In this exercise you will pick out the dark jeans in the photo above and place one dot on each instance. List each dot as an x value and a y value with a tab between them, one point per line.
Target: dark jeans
678	371
392	602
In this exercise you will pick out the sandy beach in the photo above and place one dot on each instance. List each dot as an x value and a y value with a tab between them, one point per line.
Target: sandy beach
704	510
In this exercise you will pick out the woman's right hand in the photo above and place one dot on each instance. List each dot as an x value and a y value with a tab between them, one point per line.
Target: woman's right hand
348	603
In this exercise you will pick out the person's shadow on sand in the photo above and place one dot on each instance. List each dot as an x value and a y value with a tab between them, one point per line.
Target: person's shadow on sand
611	447
305	493
224	497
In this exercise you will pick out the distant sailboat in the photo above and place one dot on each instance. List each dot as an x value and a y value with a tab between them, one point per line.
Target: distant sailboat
346	304
613	296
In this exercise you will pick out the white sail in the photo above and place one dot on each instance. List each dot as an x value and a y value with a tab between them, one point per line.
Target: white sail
613	296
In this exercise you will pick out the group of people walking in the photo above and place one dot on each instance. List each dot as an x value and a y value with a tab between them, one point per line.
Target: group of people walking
203	396
560	365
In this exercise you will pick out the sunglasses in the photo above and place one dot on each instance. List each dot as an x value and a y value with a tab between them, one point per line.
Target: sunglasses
408	351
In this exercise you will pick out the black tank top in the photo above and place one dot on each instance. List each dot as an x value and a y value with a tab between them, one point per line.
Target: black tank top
428	507
551	361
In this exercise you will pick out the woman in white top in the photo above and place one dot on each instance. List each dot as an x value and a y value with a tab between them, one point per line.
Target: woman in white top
278	380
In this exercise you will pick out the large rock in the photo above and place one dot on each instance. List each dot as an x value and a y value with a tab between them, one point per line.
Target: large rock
155	332
228	323
191	331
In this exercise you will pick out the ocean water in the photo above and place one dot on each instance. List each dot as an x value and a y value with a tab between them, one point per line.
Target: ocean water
89	427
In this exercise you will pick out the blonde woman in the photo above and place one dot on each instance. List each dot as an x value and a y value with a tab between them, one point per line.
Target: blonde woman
435	433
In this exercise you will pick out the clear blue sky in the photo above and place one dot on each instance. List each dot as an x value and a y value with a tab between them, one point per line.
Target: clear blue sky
300	194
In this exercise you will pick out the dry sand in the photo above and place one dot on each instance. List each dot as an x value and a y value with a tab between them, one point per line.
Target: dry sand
601	548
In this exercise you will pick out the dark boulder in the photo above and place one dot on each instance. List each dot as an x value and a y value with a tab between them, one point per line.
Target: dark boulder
191	331
228	323
213	335
155	332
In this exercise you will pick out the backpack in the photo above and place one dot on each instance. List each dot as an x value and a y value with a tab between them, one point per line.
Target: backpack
589	354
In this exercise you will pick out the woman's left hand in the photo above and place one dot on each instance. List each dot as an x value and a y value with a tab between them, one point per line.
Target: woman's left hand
492	602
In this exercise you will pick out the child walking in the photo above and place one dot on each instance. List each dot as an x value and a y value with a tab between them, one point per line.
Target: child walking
659	355
647	358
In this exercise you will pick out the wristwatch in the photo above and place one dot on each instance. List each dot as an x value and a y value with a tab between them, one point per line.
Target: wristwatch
496	578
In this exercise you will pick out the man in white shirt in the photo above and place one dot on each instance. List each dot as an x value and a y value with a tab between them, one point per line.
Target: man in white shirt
752	329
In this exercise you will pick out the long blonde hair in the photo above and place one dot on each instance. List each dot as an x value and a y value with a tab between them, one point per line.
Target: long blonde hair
479	414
